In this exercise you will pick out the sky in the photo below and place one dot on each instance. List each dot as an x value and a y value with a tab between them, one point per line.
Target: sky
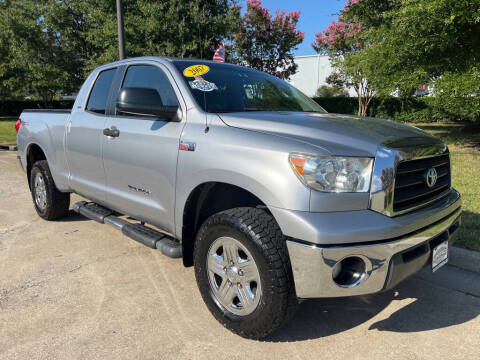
315	16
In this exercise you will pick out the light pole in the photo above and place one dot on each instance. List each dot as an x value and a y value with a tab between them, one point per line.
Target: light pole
121	33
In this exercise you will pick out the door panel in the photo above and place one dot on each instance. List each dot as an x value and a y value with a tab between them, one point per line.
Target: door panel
140	164
85	140
84	154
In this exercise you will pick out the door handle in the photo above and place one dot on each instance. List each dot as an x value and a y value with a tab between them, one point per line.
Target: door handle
112	132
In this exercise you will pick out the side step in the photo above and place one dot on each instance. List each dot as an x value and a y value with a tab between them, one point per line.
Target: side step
92	211
147	236
138	232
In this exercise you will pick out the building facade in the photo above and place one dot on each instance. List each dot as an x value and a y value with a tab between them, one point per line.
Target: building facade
312	73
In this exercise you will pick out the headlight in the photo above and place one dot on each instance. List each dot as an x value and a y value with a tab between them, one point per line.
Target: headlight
333	173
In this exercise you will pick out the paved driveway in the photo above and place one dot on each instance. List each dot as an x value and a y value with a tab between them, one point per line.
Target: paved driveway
78	289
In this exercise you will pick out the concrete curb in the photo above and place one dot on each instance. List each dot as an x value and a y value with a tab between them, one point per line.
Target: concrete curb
9	147
465	259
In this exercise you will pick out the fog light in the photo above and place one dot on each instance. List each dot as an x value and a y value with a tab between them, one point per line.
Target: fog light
349	272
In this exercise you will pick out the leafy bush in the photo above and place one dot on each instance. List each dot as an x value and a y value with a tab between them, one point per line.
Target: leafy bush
15	107
441	108
330	91
338	105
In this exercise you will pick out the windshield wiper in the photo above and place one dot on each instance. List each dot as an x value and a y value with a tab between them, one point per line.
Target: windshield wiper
256	109
241	110
252	109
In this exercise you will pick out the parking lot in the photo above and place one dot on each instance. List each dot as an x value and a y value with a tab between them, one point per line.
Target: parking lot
77	289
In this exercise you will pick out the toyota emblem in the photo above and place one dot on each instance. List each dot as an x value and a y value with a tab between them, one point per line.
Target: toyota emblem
431	177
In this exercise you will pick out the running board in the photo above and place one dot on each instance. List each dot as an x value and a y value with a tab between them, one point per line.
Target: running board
92	211
138	232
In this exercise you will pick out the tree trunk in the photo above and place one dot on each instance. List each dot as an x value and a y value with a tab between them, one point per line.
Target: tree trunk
365	96
363	102
45	98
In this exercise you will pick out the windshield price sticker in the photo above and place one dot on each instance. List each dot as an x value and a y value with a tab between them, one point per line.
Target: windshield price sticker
196	70
201	84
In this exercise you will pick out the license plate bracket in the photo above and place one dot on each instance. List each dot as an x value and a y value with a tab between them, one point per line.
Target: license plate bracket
439	255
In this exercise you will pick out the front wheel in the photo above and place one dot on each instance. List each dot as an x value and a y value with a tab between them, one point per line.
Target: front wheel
243	271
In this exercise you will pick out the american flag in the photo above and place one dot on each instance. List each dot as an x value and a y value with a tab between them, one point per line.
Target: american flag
219	53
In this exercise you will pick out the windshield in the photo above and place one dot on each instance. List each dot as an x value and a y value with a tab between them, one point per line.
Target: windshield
222	88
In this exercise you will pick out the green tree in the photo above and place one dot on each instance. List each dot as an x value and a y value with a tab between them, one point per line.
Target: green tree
37	64
342	40
420	40
49	47
176	28
265	42
336	86
425	41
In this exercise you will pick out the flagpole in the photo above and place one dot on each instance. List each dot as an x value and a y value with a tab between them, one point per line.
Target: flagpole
121	33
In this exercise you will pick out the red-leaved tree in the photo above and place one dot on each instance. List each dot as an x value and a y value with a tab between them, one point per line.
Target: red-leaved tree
342	40
266	42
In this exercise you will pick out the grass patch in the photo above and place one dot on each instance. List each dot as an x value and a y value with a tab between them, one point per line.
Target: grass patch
7	129
455	134
464	144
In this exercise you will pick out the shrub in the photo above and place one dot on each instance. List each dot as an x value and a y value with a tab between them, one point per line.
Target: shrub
338	105
15	107
330	91
412	109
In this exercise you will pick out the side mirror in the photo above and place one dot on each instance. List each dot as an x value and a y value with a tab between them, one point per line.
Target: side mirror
143	101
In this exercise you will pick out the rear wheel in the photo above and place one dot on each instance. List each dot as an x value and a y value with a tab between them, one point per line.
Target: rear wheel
49	202
243	271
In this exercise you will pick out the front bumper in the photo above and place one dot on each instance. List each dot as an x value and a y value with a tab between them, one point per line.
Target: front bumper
387	261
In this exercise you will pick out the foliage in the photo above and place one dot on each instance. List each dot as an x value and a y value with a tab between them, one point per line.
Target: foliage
266	42
459	94
49	47
38	64
399	45
338	104
409	109
420	40
425	41
335	87
178	28
342	40
15	107
328	91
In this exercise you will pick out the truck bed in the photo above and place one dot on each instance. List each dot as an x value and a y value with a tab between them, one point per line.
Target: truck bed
61	111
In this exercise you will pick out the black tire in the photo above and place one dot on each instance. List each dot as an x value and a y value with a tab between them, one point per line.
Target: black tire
258	231
57	203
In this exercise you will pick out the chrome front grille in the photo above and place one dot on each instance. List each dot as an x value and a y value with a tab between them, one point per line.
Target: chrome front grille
411	189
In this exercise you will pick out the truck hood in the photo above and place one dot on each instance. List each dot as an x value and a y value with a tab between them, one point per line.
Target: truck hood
336	134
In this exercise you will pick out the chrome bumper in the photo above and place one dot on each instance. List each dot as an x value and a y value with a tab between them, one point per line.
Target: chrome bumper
387	262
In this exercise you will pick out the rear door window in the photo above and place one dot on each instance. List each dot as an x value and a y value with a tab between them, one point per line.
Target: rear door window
97	102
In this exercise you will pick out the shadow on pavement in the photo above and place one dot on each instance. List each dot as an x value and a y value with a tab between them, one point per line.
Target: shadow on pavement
431	307
73	217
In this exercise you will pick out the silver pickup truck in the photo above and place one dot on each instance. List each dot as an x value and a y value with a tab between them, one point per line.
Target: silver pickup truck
268	196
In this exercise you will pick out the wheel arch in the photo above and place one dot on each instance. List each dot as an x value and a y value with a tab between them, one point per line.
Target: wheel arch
34	153
207	199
